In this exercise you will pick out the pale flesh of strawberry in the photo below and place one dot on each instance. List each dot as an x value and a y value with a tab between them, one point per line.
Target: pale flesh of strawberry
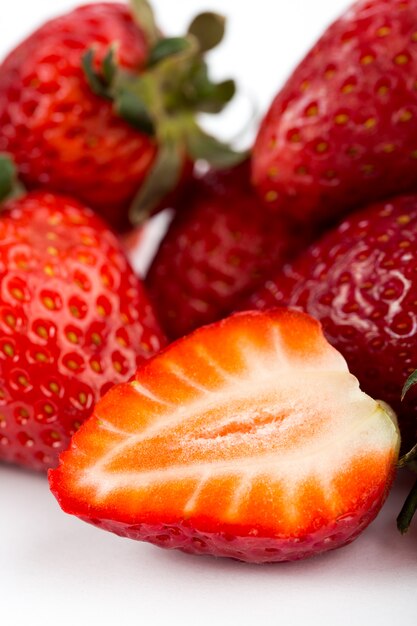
248	438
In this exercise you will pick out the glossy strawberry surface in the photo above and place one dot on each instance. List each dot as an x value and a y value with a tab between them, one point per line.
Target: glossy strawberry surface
248	438
219	247
342	132
61	135
360	281
73	320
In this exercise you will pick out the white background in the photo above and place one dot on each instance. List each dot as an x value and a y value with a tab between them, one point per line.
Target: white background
54	569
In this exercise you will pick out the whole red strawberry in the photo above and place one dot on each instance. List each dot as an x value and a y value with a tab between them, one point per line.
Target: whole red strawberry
73	321
342	132
248	439
219	247
77	114
360	281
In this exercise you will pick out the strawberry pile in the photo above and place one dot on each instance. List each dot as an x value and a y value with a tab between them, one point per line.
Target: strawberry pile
269	434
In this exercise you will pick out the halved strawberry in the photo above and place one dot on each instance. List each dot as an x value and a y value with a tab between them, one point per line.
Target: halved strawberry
248	439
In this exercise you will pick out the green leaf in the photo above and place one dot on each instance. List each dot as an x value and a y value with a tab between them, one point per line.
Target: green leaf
408	458
407	512
162	179
166	48
172	70
7	176
200	145
205	96
410	382
109	65
144	17
134	111
215	99
208	28
96	82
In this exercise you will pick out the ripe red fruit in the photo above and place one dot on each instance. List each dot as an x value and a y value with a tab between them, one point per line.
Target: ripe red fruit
342	132
247	439
219	248
360	281
61	112
73	321
61	134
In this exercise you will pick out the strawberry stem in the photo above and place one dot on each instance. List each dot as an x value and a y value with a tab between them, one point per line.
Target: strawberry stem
408	510
408	458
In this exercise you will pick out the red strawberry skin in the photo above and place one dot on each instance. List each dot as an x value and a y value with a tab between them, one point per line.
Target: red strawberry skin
360	281
219	248
245	544
61	135
248	438
73	320
342	132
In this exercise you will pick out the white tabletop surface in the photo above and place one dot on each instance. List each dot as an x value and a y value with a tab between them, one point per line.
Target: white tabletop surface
55	569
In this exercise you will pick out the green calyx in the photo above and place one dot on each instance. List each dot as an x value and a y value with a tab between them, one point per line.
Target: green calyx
143	14
410	382
409	460
408	510
9	185
163	101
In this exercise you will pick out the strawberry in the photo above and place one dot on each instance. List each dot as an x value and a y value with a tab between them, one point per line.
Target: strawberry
360	281
219	247
73	321
248	439
342	132
77	115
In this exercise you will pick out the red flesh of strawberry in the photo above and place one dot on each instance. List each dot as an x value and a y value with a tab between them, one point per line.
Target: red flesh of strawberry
248	438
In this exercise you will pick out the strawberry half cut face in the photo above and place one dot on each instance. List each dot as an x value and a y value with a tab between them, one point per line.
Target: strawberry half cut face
248	439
